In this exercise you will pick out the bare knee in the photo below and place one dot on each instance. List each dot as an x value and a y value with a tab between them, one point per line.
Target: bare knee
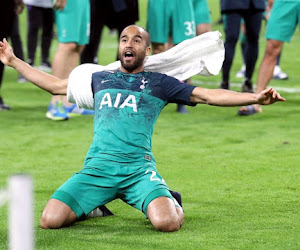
48	221
164	216
273	49
166	224
70	47
57	214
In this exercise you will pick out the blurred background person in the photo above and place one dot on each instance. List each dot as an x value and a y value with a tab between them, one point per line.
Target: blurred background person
40	16
284	18
72	19
17	44
8	10
233	11
170	22
278	73
202	16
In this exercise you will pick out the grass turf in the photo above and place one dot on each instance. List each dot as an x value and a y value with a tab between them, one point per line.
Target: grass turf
239	176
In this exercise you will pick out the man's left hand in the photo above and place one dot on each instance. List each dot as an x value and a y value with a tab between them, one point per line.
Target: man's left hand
269	96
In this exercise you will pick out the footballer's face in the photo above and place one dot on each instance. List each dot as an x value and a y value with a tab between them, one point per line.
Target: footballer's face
133	48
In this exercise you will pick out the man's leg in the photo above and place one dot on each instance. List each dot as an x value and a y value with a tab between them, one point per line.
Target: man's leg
278	74
57	214
47	36
252	25
16	39
164	215
90	52
6	19
243	43
65	60
265	73
232	31
202	17
158	48
266	69
34	20
203	28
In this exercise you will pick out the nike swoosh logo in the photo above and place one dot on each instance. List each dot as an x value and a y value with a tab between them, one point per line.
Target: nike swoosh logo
103	81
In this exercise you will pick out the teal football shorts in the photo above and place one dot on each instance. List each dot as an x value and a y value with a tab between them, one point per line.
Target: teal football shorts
174	18
73	22
92	187
201	12
285	16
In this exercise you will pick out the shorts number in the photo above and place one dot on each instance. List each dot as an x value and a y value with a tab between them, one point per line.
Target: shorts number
153	176
190	28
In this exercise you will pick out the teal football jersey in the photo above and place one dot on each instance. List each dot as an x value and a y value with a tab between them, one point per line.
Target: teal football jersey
126	109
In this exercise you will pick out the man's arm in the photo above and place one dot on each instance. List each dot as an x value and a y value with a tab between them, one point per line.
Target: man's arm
39	78
221	97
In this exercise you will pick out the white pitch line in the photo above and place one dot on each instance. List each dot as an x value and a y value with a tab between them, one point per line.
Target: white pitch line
288	90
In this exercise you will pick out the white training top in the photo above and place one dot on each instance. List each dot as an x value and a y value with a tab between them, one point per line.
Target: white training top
203	55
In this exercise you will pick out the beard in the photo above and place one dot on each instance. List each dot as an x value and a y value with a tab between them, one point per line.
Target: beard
130	67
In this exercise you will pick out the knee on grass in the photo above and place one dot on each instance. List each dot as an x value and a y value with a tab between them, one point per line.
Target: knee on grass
166	224
47	222
55	221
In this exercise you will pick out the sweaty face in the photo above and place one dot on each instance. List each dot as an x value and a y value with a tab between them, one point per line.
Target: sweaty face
132	49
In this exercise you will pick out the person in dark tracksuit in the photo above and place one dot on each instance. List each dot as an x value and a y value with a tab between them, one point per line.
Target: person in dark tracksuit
233	11
40	17
8	10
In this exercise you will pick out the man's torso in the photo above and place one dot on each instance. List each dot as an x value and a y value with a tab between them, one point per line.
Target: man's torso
126	109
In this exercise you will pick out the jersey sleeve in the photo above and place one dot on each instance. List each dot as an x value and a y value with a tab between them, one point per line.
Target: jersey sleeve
176	91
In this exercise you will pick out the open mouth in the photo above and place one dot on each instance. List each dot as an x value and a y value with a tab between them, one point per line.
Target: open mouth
128	55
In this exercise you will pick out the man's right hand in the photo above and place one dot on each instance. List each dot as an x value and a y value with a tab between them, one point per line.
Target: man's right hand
6	53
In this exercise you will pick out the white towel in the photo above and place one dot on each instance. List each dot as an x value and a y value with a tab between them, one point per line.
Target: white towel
202	55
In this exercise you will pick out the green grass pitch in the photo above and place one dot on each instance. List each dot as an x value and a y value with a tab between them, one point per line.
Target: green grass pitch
239	176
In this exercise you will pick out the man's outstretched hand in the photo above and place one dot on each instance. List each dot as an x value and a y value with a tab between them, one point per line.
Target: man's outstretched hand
269	96
6	53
